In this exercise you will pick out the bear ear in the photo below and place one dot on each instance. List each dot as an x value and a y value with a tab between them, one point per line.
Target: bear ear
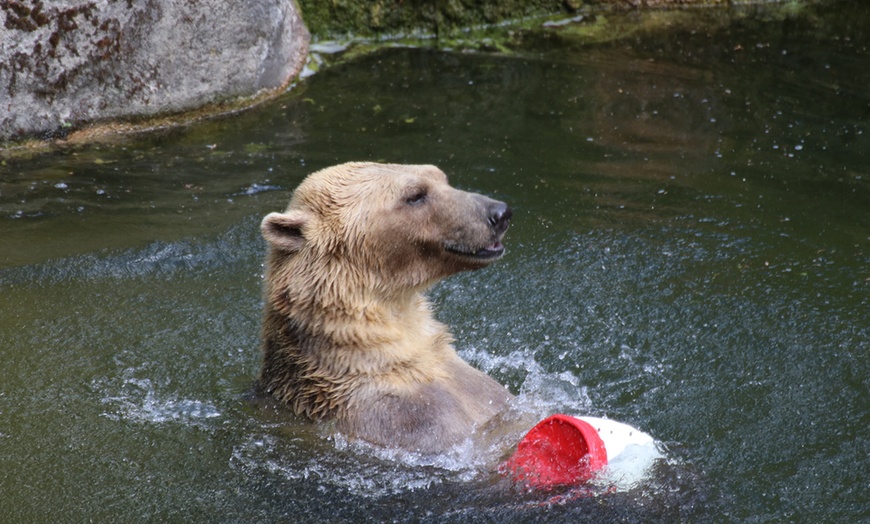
283	231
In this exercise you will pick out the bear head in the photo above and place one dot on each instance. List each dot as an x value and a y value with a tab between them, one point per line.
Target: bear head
384	227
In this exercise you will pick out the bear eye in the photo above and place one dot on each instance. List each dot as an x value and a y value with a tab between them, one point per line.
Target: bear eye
417	197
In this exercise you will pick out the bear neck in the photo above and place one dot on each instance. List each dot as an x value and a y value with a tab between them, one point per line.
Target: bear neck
322	344
392	328
340	308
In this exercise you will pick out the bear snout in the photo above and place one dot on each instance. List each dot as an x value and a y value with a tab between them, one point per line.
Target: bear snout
480	241
499	216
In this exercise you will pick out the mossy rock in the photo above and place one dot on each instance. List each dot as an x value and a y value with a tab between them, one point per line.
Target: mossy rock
373	18
389	19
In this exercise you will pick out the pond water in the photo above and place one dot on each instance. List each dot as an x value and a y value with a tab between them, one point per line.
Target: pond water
690	254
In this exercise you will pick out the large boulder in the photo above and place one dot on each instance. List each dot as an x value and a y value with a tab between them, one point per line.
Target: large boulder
64	63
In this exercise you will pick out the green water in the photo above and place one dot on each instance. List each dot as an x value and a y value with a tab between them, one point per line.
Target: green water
690	253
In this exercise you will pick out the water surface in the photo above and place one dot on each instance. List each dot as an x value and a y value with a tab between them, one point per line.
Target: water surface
690	254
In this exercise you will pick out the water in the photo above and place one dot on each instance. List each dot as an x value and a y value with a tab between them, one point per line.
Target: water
689	255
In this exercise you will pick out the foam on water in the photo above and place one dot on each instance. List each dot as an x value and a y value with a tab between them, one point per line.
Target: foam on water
139	401
255	188
359	468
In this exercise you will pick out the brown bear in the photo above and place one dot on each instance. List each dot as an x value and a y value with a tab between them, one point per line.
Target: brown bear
347	334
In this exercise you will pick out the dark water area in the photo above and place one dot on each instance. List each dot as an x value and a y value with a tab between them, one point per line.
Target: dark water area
690	254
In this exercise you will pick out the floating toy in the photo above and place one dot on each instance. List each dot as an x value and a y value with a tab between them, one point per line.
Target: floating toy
565	450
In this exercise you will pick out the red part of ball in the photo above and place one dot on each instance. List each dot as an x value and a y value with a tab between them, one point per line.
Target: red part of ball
559	450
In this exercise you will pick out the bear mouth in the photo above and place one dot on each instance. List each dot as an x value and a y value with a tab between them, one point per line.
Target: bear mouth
490	252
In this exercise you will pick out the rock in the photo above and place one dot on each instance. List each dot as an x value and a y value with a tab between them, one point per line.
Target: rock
66	63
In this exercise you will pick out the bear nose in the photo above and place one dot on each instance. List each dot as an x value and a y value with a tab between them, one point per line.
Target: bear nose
499	216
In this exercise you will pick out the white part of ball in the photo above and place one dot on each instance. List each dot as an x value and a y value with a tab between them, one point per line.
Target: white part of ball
630	452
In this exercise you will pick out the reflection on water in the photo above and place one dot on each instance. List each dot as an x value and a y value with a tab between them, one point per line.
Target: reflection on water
689	255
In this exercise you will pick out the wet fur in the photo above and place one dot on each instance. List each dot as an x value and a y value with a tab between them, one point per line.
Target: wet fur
347	334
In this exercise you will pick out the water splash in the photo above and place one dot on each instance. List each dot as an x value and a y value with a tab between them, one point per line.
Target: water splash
356	467
255	188
139	401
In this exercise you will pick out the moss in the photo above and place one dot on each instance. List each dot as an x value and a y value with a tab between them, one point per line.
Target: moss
389	19
374	18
